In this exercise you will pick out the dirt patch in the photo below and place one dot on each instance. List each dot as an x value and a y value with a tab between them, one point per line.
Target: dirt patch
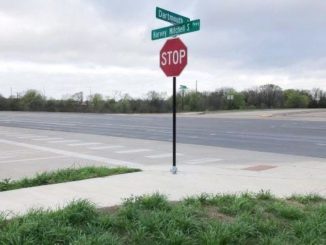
295	203
213	213
110	210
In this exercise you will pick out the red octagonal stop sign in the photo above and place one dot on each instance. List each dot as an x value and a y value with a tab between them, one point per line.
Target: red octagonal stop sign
173	57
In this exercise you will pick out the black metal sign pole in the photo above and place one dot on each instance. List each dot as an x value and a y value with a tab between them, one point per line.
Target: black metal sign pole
174	167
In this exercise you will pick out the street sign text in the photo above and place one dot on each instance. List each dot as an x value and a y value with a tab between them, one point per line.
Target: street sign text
171	17
173	57
176	30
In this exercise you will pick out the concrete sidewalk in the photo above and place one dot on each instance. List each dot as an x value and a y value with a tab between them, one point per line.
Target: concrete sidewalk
281	180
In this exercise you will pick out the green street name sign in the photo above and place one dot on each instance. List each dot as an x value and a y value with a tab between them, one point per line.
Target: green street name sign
171	17
176	30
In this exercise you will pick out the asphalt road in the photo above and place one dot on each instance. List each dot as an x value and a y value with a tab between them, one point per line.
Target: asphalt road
301	138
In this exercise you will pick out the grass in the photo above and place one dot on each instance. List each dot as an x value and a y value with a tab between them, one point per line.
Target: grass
206	219
63	175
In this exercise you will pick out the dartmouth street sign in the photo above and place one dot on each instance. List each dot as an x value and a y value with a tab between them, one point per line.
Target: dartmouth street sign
171	17
176	30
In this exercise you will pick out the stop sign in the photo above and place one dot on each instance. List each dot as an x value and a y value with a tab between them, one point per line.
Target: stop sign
173	57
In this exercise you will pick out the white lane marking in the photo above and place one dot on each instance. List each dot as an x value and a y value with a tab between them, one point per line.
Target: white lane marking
14	152
153	138
63	141
166	155
212	134
45	139
27	136
192	137
73	154
10	134
6	157
132	151
61	124
40	137
39	122
32	159
203	160
106	147
321	144
85	144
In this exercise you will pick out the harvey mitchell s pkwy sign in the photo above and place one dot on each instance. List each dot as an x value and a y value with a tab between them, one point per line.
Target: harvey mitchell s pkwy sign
174	56
181	24
176	30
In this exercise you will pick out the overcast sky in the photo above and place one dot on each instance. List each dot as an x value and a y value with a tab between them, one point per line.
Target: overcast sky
62	47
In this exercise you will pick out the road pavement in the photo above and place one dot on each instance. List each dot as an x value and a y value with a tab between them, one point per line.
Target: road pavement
261	133
24	152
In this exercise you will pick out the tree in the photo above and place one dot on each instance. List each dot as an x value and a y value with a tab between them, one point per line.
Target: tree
3	103
32	100
78	97
193	101
155	102
123	105
295	99
238	102
271	96
316	98
251	98
97	103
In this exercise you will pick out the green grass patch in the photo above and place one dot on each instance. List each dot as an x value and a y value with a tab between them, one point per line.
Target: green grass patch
207	219
63	175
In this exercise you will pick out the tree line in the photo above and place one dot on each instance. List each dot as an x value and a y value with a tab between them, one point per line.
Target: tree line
268	96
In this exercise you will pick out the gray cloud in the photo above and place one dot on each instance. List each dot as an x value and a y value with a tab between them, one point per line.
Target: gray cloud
241	44
265	33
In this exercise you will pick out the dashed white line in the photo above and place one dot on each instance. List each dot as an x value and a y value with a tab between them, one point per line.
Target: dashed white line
203	160
321	144
106	147
109	161
27	136
165	155
85	144
192	137
40	138
63	141
132	151
32	159
10	134
6	157
45	139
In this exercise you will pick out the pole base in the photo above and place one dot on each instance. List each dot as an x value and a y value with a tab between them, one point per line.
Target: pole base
174	170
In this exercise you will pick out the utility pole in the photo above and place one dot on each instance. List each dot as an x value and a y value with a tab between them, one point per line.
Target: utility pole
196	86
